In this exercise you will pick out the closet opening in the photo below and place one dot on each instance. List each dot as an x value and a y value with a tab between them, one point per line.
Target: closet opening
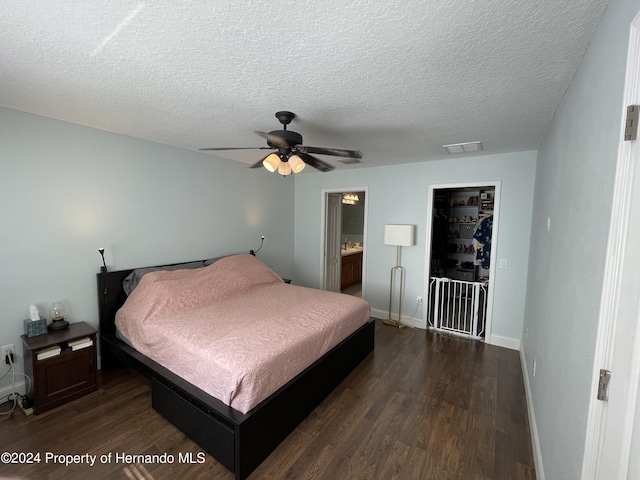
460	253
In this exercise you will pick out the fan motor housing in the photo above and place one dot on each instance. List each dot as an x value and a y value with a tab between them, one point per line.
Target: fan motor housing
292	138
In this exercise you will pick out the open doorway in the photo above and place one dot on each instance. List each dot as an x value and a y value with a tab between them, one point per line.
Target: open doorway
460	254
344	240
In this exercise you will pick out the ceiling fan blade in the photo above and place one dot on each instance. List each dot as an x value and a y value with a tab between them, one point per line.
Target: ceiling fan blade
315	162
274	139
336	152
237	148
259	162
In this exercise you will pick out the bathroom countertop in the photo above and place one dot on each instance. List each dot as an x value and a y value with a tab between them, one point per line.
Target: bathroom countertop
351	251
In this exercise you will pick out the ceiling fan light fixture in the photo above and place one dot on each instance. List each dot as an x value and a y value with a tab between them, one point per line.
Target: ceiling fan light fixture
284	169
296	163
285	142
272	162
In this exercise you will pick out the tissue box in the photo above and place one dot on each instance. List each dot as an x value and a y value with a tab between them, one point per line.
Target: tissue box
33	328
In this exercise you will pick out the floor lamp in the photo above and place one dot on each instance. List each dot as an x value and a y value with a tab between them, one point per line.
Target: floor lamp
400	236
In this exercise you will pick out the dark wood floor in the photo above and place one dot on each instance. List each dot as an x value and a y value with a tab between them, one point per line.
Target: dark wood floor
423	406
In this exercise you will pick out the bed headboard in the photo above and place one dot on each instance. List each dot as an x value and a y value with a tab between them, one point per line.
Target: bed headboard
111	296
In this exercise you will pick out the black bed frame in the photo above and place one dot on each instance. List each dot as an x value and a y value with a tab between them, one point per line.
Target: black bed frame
239	441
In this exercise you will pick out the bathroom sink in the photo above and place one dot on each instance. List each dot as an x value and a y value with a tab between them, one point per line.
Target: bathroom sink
351	251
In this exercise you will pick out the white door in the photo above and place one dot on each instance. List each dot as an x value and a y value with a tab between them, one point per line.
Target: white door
333	263
612	444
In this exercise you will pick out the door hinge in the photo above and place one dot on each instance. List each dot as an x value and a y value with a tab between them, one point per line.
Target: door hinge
631	124
603	385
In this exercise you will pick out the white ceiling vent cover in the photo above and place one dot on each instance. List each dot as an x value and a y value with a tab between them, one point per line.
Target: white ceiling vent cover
463	147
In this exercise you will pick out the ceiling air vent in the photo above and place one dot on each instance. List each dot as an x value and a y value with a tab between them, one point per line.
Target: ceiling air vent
463	147
350	161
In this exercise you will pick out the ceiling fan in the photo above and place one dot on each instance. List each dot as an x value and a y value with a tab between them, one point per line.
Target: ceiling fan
290	154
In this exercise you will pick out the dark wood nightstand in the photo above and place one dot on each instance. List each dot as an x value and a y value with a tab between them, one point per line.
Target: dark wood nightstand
65	376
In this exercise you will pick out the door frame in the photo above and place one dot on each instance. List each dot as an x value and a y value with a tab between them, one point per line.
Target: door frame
497	185
612	429
323	234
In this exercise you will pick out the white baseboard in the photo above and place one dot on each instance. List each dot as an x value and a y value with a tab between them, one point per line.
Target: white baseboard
497	340
506	342
379	314
410	322
6	390
533	426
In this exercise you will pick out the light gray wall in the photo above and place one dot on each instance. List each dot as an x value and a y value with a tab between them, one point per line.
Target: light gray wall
399	194
66	190
574	182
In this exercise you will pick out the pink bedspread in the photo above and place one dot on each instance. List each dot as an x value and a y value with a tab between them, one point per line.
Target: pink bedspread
235	329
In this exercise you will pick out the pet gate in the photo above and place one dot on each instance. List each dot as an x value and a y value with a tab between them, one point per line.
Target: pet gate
457	306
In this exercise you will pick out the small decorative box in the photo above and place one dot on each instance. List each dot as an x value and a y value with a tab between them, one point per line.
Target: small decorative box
33	328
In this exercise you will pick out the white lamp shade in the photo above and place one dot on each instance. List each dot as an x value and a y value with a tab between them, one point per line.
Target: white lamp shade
400	235
296	163
284	169
272	162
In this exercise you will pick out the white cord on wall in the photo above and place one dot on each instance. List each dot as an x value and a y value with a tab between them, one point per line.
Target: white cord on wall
13	396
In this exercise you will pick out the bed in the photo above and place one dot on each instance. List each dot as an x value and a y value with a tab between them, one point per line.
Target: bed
241	429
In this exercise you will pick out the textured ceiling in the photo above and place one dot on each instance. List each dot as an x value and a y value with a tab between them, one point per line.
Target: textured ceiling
396	80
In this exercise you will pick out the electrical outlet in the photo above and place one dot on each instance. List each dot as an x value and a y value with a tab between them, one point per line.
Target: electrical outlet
418	299
9	350
535	364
